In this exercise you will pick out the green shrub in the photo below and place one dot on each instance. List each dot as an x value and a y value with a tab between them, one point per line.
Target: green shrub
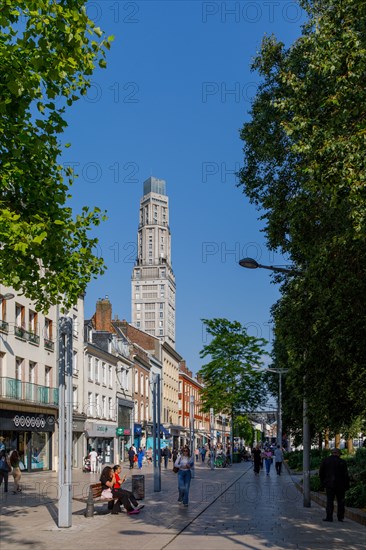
356	496
315	484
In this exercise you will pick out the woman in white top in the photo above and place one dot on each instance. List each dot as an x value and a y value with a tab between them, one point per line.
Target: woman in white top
184	462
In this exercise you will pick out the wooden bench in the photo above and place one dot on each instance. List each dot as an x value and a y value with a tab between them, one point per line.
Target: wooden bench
95	495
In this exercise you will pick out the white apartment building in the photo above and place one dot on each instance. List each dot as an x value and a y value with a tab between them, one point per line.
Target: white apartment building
153	283
29	381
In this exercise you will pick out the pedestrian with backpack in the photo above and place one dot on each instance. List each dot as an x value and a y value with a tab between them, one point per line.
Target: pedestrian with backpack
5	468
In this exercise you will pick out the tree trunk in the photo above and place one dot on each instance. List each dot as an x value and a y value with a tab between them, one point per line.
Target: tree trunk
350	445
320	441
326	439
337	440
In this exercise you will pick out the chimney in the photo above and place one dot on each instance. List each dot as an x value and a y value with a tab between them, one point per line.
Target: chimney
103	315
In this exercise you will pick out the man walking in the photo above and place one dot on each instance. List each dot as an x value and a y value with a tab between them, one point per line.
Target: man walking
93	461
278	454
333	475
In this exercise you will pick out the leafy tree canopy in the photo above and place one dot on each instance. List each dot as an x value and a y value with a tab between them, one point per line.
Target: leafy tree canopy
231	379
48	52
305	167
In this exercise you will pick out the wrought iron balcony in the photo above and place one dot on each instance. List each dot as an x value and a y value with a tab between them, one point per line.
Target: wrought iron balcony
20	332
11	388
49	344
33	338
4	326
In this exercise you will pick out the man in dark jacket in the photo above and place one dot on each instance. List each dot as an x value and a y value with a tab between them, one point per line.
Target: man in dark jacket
333	475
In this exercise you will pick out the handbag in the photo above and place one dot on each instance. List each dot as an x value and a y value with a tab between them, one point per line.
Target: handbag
175	469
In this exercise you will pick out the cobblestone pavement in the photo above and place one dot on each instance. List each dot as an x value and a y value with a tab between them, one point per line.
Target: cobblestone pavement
229	508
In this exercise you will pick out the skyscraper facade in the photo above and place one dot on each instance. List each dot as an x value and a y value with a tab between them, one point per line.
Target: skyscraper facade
153	282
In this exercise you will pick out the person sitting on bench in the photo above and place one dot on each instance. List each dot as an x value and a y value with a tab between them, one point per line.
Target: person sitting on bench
126	498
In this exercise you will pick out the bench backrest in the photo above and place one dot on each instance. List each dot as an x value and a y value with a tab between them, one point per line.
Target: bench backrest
96	489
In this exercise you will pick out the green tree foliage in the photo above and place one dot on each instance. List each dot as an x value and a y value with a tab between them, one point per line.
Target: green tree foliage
48	52
244	429
232	380
305	167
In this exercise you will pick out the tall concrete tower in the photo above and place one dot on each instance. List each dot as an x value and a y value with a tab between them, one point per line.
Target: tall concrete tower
153	281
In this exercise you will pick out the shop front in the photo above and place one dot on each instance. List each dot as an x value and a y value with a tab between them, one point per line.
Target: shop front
78	440
125	427
31	434
100	437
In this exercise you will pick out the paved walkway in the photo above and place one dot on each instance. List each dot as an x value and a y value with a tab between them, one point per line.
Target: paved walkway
228	509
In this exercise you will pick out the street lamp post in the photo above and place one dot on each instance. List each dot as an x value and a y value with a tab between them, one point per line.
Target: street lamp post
212	428
65	421
280	372
191	428
156	433
250	263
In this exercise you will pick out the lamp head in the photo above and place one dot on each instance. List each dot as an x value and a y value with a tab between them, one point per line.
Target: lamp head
249	263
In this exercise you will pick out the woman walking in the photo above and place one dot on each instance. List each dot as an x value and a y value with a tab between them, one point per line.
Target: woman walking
257	459
267	455
184	462
131	457
14	460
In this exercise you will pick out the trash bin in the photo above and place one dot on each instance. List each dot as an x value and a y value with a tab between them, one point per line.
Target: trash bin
236	458
138	487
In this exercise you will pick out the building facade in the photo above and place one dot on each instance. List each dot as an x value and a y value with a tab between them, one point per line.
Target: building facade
153	283
29	380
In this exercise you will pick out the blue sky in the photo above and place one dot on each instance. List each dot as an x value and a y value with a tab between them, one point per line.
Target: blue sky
170	104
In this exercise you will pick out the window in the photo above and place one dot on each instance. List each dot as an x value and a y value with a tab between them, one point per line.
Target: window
136	381
138	307
20	315
160	332
136	412
161	315
90	404
19	365
110	408
90	367
48	329
75	398
104	374
142	384
48	377
110	376
33	322
75	363
97	405
146	388
147	413
138	324
104	406
75	325
141	412
96	372
32	372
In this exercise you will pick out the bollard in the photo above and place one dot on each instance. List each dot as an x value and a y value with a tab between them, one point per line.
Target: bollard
138	487
89	513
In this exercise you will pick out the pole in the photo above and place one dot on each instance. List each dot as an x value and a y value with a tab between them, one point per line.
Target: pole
212	451
191	429
156	433
223	433
232	436
65	421
306	452
279	415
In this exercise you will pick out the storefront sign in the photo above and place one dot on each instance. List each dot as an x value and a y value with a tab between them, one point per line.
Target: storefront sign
27	422
100	430
122	431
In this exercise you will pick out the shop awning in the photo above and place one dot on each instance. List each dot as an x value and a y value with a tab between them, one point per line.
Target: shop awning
165	431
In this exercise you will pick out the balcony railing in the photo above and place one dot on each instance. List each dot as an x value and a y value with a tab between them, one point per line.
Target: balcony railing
4	326
20	332
32	338
11	388
49	344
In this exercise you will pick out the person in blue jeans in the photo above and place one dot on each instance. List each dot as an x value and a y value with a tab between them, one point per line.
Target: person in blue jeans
184	462
267	455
